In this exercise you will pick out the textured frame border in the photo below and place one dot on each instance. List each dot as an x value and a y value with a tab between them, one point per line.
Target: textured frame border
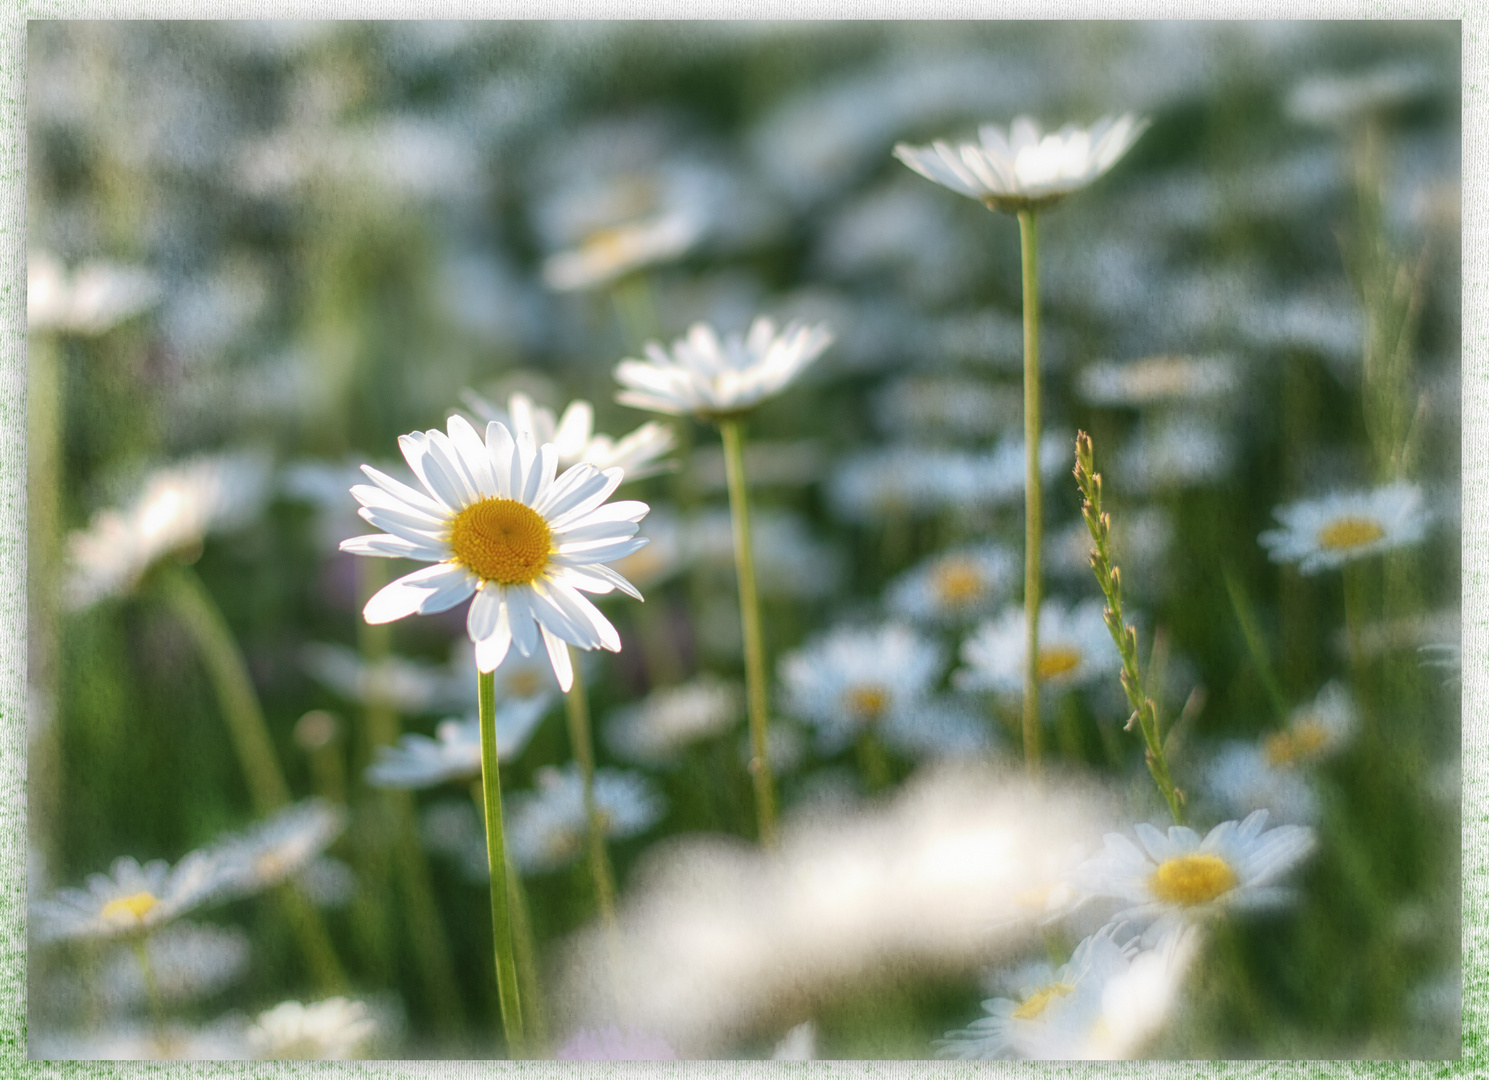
1475	535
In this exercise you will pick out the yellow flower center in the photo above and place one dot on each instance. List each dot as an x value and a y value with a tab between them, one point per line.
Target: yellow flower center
1192	879
1349	532
125	908
1057	660
958	581
523	683
1289	747
610	244
1036	1002
866	703
501	540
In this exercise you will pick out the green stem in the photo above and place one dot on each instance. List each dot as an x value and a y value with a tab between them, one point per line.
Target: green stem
1033	507
496	856
314	941
1254	644
427	930
43	521
152	989
527	961
872	762
749	617
576	704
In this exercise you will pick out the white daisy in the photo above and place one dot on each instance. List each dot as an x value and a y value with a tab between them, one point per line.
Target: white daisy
1158	378
654	730
332	1030
958	406
187	962
93	299
1025	169
1075	648
955	585
1179	875
176	509
496	524
547	827
706	377
575	439
409	686
607	254
1338	100
849	681
131	899
1105	1003
789	559
280	848
1174	452
455	752
1321	534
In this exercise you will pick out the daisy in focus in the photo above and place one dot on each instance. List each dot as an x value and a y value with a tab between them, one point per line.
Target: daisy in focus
496	522
1024	168
1322	534
573	435
707	377
1075	649
455	752
1178	875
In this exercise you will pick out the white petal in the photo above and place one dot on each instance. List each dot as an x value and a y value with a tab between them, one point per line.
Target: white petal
416	499
493	650
394	547
626	510
485	610
502	450
613	477
520	618
603	552
473	455
405	596
579	608
558	656
420	458
454	590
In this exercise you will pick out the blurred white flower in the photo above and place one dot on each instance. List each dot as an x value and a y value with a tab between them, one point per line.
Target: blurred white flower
1075	648
612	252
654	730
325	486
223	1040
1335	100
1175	452
187	962
1158	379
955	586
1025	169
707	377
455	752
335	1029
789	559
93	299
799	1044
176	509
409	686
497	523
131	899
919	405
613	1044
1325	533
575	439
279	848
546	827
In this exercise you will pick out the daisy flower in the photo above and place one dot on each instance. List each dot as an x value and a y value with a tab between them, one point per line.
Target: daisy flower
1075	648
187	962
614	1044
332	1030
280	848
1321	534
1157	379
409	686
495	523
1179	875
672	717
1025	169
954	585
574	437
93	299
706	377
609	253
1176	452
455	752
546	828
131	899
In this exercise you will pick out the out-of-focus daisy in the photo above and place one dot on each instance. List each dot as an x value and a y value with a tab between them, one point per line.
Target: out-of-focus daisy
789	559
1075	648
335	1029
614	1044
1025	168
1141	537
546	827
1172	453
851	681
574	437
455	752
187	963
1322	534
1105	1003
1337	100
93	299
410	686
131	899
280	848
798	1044
496	523
1158	379
956	405
176	509
955	585
654	730
1315	730
220	1041
707	377
609	253
660	560
1236	866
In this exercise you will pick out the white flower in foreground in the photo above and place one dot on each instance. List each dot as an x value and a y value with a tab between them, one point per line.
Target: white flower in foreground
280	848
455	752
1075	648
1025	169
131	899
955	585
1105	1003
613	1044
707	377
609	253
671	717
332	1030
176	509
1321	534
93	299
574	437
1236	865
498	525
546	828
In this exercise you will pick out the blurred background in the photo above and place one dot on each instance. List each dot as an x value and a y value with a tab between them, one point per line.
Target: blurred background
290	243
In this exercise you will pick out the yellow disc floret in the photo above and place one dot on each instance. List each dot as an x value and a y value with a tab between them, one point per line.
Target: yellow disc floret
1057	660
866	703
1192	879
1349	532
501	540
129	908
1036	1002
1304	741
958	581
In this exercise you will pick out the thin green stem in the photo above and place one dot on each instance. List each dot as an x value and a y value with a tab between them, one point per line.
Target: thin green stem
496	856
315	943
576	704
1033	503
1254	644
754	643
43	533
527	962
152	989
872	762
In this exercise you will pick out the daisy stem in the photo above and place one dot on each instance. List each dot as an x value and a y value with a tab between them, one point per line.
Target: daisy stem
1254	643
527	961
749	617
152	989
1033	508
496	856
44	518
576	704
